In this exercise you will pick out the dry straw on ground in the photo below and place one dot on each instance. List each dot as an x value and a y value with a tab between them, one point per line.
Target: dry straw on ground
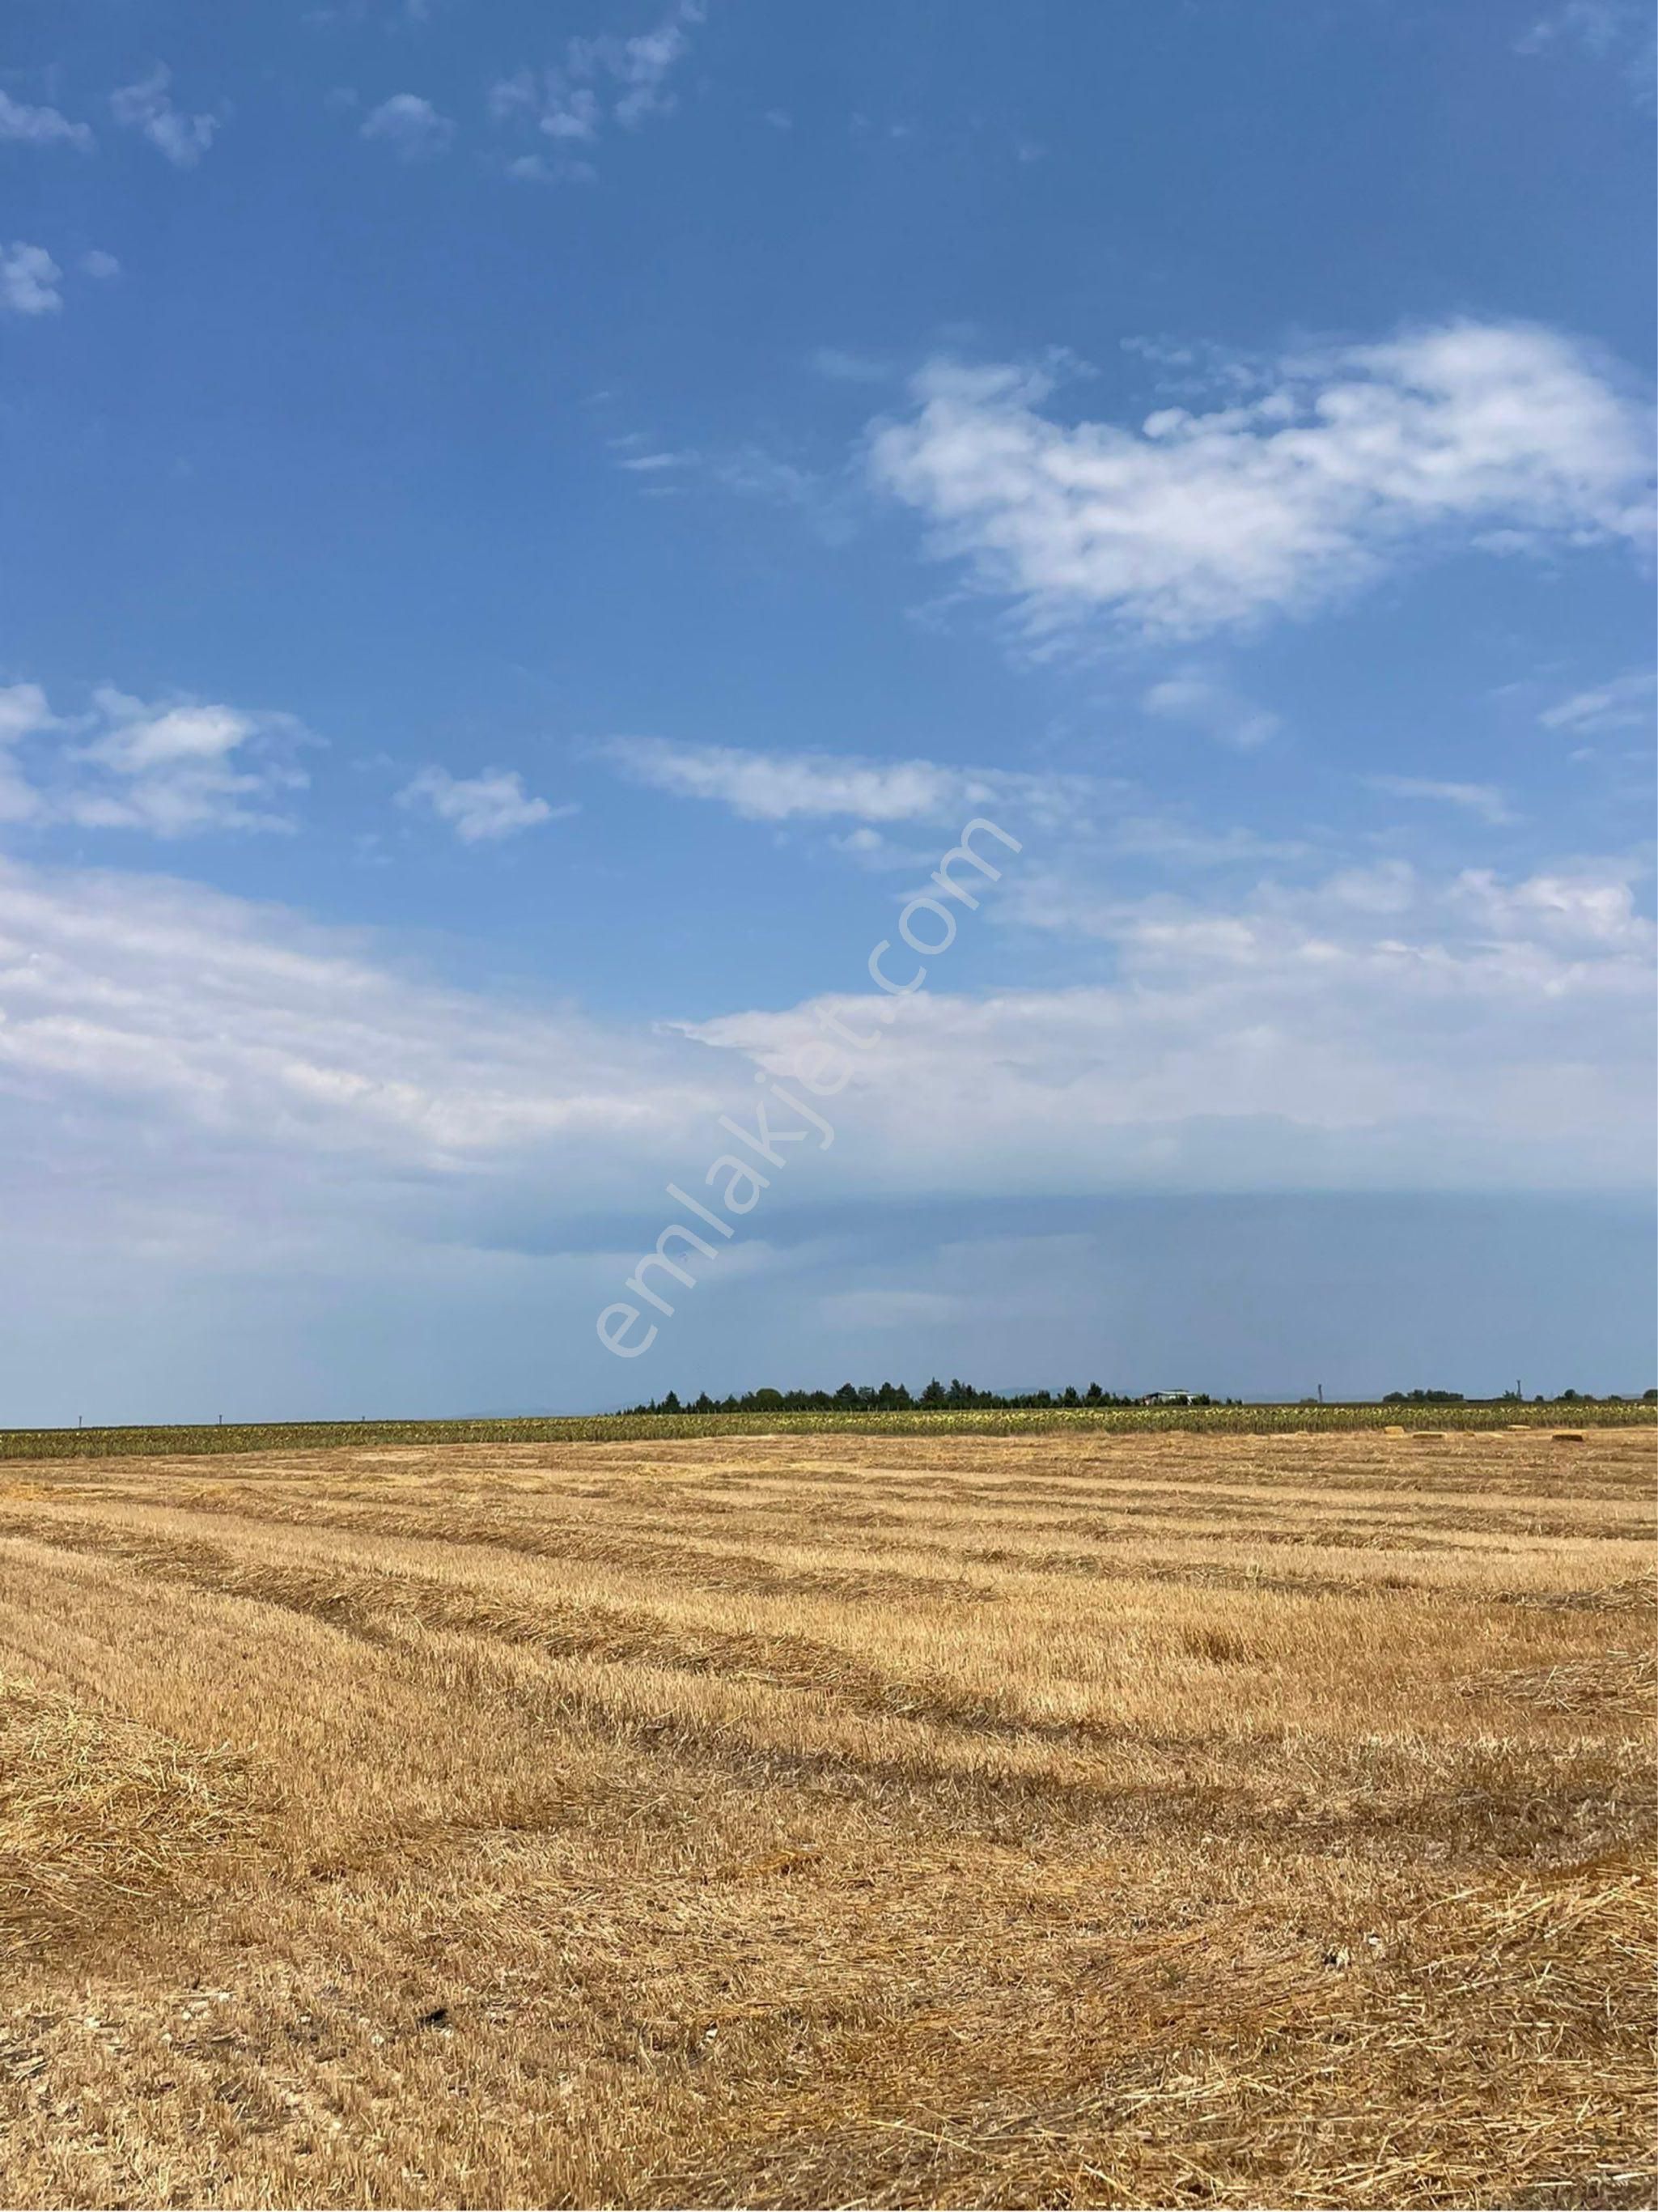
928	1819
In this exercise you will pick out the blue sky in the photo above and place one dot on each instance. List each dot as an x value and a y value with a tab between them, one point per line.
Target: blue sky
527	534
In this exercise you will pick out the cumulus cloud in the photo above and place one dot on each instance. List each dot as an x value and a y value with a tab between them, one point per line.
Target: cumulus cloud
146	107
783	786
172	768
480	809
23	125
410	126
601	81
97	263
29	281
1501	435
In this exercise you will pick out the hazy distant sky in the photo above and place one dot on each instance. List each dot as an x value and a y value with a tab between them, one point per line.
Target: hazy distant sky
527	531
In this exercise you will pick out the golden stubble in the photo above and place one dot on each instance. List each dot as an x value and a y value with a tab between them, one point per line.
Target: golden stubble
821	1819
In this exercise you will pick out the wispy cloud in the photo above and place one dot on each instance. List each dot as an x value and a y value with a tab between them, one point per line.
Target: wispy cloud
827	501
480	809
146	107
1626	703
1484	799
410	126
23	125
1616	31
1593	26
785	787
642	65
601	82
1478	1031
1505	436
138	997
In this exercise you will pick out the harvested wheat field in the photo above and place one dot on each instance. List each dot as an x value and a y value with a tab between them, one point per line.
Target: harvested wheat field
817	1819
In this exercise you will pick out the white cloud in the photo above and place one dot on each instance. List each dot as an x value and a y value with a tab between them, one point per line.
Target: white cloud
146	107
646	62
1625	703
783	786
1213	707
23	709
481	808
41	126
1591	913
176	767
1378	1028
601	81
29	279
1504	436
256	1029
410	126
1484	799
187	1074
875	851
1474	915
23	712
171	768
97	263
636	453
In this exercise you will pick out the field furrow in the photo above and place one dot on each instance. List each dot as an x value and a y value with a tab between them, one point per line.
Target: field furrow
764	1820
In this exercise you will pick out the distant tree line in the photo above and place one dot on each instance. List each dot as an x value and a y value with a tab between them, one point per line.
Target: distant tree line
1513	1398
898	1397
943	1397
